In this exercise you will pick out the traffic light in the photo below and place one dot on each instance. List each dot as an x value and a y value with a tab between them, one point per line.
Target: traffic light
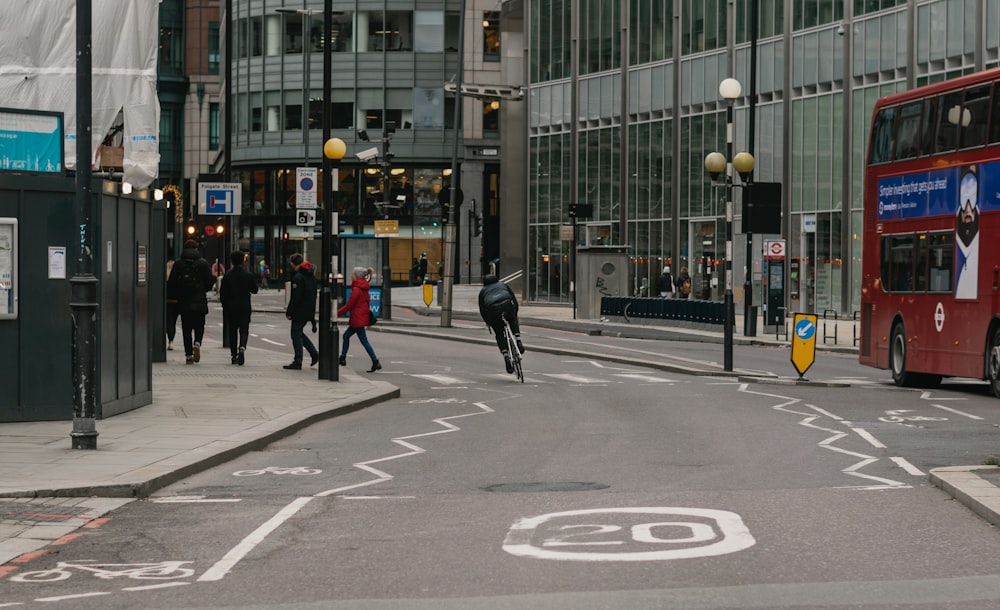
284	235
191	229
220	228
477	227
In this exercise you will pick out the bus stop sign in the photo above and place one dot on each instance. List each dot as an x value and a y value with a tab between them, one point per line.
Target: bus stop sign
803	342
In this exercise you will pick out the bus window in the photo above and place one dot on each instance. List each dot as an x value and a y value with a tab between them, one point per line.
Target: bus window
975	116
930	120
922	260
995	121
949	119
883	136
908	132
897	267
942	256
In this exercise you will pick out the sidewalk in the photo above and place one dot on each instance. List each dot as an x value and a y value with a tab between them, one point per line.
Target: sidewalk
201	417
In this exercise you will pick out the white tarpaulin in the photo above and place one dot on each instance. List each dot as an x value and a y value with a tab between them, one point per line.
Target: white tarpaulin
38	72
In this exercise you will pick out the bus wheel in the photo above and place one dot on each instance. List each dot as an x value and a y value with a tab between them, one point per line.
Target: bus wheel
993	363
897	358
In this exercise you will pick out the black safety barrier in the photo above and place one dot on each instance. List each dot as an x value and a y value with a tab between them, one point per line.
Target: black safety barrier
652	308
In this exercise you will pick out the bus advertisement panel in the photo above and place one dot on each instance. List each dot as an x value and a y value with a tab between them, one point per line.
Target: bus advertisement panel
930	286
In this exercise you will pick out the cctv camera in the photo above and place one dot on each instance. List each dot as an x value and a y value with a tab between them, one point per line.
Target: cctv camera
840	30
368	154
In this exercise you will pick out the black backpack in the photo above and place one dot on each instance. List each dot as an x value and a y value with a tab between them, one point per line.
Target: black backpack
190	283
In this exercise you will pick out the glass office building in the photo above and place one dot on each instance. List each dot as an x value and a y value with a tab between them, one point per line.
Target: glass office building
390	65
624	118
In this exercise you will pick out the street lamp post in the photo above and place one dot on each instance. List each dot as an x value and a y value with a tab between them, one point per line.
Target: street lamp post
333	151
716	163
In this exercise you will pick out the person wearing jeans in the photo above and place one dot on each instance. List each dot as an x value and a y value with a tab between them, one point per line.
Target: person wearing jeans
359	307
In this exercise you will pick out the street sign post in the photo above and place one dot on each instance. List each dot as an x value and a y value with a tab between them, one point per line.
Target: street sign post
803	342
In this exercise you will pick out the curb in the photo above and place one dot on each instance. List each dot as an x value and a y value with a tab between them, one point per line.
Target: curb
973	491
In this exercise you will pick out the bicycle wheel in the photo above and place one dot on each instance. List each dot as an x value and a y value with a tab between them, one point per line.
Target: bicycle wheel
515	357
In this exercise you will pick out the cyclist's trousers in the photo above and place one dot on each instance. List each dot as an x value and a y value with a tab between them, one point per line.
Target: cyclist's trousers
495	320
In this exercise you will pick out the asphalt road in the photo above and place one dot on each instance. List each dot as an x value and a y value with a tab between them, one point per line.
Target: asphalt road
595	484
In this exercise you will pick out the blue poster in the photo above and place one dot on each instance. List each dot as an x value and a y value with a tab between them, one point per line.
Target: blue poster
31	141
935	193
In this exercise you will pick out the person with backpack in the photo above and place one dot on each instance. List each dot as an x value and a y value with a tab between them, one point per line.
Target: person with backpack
189	280
666	283
237	286
301	310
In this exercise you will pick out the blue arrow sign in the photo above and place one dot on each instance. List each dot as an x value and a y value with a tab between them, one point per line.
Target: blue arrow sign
805	329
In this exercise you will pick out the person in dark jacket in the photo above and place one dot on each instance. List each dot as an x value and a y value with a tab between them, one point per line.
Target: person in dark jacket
172	311
301	310
190	279
237	286
358	306
496	302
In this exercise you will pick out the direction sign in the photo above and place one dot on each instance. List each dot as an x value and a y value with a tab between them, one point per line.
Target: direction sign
305	218
803	342
220	198
305	188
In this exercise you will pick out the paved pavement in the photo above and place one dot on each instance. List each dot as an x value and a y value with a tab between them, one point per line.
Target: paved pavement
201	417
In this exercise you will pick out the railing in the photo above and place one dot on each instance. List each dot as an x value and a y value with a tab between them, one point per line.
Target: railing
683	310
829	314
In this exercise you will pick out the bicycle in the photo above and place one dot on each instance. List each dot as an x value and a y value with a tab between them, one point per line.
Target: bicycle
515	354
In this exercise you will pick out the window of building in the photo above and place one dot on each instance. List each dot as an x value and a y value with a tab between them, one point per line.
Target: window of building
428	108
167	120
171	51
428	34
342	115
391	31
451	26
256	113
213	126
343	32
272	116
242	38
491	116
293	111
256	36
213	47
292	34
491	36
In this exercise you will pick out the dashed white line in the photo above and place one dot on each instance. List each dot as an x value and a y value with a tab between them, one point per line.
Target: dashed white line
159	586
77	596
266	340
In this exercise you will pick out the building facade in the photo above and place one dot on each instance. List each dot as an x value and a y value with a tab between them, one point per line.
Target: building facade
623	105
389	104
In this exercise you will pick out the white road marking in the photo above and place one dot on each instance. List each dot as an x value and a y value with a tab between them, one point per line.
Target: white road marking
442	379
190	500
956	412
575	378
645	378
874	442
927	396
238	552
159	586
266	340
732	534
907	466
77	596
825	412
600	365
377	497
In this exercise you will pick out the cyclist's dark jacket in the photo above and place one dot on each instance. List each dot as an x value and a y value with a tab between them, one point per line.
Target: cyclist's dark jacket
495	299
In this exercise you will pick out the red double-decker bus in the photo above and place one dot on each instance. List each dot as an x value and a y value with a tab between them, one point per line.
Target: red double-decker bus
930	288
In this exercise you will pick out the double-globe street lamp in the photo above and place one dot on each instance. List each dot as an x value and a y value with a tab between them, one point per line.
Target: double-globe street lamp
716	163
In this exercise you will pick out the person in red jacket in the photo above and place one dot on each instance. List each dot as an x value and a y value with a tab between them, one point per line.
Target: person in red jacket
358	308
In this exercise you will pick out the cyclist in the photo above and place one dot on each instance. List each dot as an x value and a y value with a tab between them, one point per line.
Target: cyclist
496	301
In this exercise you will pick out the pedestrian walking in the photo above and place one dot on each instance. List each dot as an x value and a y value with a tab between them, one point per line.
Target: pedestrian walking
172	310
237	286
190	279
684	283
301	310
422	268
666	283
358	307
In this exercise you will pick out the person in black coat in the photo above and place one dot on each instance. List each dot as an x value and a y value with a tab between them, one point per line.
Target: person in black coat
496	302
237	286
189	280
301	310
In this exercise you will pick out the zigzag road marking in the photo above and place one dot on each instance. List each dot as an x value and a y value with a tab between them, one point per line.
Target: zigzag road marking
237	553
835	435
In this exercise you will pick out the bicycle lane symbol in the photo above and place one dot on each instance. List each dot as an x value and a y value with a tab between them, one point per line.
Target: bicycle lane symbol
629	534
164	570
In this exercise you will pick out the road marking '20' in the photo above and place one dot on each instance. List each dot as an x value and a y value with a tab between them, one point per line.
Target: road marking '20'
629	534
